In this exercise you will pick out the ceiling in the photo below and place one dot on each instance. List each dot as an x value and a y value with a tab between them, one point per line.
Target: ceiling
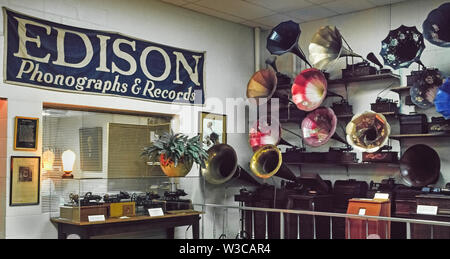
266	14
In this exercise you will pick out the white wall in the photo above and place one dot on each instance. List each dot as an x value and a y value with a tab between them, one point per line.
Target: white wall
229	65
364	31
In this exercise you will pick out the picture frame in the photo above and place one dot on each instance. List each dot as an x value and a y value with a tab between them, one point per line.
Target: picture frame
91	149
25	180
212	129
26	131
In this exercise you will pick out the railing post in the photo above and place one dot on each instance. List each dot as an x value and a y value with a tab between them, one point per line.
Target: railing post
408	230
298	226
348	228
282	225
203	221
253	225
314	221
331	227
214	225
267	226
432	232
367	228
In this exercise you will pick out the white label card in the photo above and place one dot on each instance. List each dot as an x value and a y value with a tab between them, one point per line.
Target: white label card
381	196
96	218
362	212
155	212
427	210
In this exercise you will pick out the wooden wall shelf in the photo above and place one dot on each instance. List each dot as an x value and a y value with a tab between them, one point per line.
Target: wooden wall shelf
364	78
343	164
428	135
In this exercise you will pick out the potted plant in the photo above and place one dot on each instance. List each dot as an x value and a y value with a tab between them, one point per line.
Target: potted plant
177	153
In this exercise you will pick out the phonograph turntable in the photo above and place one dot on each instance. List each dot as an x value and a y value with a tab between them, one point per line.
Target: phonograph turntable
382	105
341	155
342	108
381	156
173	201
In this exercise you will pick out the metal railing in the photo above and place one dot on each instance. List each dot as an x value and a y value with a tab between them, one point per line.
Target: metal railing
313	217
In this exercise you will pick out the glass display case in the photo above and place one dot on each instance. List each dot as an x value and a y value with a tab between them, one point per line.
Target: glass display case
88	200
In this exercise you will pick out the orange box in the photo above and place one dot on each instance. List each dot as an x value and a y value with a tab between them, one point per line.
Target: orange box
362	229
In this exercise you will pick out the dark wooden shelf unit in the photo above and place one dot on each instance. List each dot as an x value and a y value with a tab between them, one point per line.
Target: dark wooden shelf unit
364	78
428	135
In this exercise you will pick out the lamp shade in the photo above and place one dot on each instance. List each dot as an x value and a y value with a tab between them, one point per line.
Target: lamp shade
309	89
319	126
264	132
68	159
48	157
442	100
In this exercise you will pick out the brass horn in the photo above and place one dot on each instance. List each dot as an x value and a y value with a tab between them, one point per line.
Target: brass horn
222	166
262	85
267	161
368	132
327	47
420	166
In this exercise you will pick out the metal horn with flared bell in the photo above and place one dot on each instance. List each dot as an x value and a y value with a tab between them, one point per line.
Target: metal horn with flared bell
267	162
222	166
266	131
309	89
327	47
402	47
368	132
284	38
420	166
435	27
262	85
319	126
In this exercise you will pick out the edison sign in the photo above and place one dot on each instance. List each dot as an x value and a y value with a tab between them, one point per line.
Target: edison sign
53	56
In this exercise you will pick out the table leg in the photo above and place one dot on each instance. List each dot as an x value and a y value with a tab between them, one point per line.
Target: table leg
196	228
61	233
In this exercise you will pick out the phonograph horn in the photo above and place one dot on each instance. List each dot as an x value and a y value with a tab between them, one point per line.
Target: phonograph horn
284	38
435	27
309	89
371	57
267	162
442	100
402	47
327	47
266	131
222	166
319	126
368	132
262	85
420	166
272	61
425	88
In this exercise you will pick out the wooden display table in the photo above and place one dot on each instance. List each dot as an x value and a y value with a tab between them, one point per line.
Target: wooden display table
361	229
132	224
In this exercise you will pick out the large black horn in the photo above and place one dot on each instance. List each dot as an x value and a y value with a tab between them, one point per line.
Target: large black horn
420	166
284	38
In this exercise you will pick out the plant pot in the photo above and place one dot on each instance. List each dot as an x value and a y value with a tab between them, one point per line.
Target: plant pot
168	167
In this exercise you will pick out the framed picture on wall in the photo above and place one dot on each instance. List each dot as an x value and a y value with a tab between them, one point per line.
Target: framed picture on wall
25	180
212	129
91	145
25	133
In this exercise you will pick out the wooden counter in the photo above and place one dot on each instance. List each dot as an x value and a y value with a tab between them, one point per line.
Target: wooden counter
132	224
